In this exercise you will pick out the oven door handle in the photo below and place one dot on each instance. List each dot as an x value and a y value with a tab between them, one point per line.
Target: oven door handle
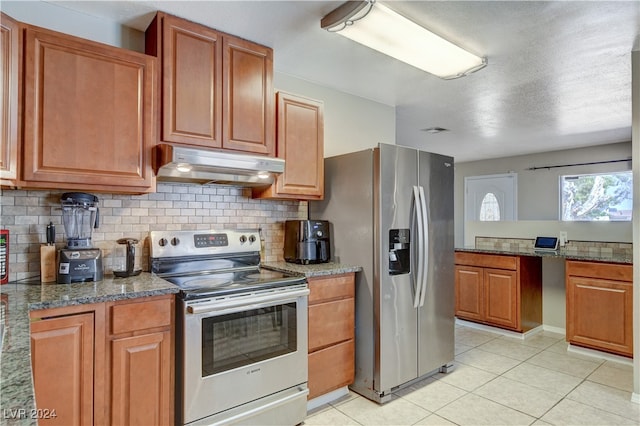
249	302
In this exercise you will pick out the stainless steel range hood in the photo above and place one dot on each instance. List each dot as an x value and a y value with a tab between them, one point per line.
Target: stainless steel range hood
204	166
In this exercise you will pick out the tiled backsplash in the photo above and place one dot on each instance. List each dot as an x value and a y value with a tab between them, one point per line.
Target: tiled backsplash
572	247
173	207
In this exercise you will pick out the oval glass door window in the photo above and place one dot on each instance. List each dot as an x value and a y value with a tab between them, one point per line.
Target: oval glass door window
490	208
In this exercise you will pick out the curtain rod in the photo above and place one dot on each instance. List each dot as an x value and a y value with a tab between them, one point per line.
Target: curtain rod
579	164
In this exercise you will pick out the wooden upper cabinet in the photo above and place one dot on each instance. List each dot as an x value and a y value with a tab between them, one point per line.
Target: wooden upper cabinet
300	137
89	114
249	123
10	42
217	89
191	57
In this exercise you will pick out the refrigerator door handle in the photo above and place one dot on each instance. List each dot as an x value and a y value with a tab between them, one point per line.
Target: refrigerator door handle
419	217
424	240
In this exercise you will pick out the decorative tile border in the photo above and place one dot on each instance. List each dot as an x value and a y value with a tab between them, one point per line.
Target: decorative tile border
595	248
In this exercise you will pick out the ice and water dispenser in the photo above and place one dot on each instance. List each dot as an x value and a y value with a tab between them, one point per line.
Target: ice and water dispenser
399	251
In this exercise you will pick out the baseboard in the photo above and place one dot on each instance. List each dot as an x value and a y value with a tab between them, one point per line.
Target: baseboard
635	397
327	398
498	330
553	329
579	350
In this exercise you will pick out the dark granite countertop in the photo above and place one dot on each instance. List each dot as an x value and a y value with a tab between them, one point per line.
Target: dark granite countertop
18	299
313	270
592	255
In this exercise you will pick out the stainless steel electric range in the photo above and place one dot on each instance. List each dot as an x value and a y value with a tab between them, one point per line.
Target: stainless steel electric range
241	331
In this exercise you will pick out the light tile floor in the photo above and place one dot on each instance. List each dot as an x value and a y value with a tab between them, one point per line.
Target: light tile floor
500	380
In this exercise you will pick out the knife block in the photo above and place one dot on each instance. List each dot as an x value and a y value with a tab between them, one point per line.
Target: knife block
48	264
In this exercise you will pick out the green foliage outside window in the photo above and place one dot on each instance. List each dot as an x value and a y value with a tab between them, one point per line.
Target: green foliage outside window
594	197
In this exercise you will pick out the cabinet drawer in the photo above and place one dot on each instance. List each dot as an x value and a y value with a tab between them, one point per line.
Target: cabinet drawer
142	315
486	260
330	323
331	368
331	288
610	271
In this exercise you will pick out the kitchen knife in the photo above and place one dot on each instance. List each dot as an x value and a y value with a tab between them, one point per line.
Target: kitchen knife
51	234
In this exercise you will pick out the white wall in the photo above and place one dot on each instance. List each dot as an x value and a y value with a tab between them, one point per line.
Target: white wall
351	123
58	18
618	232
538	190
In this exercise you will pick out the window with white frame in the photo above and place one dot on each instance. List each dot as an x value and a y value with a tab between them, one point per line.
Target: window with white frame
596	197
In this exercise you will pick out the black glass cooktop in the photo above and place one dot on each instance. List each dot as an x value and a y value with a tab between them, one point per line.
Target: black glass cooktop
229	282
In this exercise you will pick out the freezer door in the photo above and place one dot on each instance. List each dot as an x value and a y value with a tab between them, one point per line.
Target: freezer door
395	176
436	315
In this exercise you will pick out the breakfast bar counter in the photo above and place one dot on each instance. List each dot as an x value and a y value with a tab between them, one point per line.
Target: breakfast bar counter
593	255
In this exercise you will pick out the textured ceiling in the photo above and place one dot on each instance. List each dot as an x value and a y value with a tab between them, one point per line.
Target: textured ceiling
559	73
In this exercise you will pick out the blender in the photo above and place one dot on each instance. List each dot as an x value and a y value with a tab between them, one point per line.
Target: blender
79	261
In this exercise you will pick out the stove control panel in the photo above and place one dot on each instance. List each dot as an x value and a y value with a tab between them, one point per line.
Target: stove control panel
188	243
211	240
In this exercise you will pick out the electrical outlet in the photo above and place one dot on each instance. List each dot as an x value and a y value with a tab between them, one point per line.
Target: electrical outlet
563	238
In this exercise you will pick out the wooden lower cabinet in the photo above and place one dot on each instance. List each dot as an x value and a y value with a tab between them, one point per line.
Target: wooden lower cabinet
331	368
331	333
501	297
139	374
498	290
600	306
106	363
62	351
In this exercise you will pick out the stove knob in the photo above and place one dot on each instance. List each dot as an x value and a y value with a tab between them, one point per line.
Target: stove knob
252	238
163	242
243	239
319	234
175	241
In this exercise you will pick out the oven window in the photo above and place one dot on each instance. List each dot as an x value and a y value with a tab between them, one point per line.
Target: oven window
243	338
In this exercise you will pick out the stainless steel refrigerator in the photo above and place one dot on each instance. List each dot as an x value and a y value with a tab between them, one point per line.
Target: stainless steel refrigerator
391	211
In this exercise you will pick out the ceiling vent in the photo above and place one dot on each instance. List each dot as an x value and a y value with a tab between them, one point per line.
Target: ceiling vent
434	130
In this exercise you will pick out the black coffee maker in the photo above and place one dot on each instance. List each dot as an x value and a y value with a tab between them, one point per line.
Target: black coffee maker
307	241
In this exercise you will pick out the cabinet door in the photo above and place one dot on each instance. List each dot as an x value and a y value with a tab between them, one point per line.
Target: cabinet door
191	83
62	356
89	117
9	82
249	106
469	292
501	298
141	380
599	314
300	142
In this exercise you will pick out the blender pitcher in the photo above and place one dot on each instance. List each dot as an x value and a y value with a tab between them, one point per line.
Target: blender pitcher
80	214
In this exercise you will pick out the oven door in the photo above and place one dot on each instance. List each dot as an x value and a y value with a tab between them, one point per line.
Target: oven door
241	348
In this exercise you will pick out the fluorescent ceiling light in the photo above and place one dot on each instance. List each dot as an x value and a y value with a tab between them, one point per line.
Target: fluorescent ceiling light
378	27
